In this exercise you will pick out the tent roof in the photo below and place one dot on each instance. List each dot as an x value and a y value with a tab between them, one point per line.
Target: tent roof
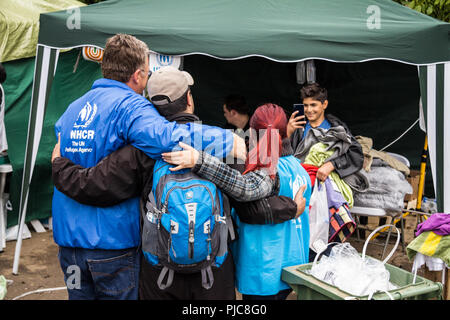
282	30
19	25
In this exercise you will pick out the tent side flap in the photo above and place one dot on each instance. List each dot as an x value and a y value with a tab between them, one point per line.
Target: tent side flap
435	88
46	59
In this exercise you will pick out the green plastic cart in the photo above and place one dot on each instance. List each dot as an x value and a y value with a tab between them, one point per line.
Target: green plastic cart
308	287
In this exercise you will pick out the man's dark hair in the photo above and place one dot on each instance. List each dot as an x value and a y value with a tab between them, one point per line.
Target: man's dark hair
2	74
314	91
177	106
238	103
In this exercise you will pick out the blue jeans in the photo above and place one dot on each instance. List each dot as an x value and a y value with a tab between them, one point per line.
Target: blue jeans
95	274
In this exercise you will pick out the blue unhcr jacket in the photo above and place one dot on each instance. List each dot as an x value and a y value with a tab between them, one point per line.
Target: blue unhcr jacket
108	117
262	251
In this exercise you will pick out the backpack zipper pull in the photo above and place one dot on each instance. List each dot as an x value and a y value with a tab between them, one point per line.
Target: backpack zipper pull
160	213
191	239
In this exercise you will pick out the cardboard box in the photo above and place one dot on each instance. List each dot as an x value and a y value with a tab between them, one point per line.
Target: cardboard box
436	276
413	179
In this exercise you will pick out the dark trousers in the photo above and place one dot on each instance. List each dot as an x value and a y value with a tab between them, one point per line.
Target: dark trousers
95	274
188	286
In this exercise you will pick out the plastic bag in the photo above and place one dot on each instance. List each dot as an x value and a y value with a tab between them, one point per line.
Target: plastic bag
319	217
429	205
11	233
345	269
357	275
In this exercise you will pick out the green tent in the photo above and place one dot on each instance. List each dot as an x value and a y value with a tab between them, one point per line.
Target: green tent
253	46
19	25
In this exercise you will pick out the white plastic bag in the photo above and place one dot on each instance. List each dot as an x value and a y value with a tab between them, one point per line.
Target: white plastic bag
357	275
11	233
319	217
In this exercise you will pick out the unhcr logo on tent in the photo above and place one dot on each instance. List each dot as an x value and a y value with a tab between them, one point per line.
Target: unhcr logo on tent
164	60
157	61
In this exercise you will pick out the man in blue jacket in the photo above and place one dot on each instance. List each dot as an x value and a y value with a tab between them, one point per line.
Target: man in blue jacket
99	253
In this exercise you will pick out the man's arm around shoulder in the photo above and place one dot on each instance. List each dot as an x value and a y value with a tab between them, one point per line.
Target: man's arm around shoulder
117	177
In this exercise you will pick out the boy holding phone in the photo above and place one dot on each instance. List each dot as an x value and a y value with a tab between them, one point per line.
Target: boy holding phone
315	102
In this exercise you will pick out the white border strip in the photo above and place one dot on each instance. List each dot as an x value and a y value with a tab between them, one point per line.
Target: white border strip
56	61
259	55
40	106
431	119
446	142
422	123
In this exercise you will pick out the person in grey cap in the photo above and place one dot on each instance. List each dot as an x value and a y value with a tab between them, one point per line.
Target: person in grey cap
128	172
167	85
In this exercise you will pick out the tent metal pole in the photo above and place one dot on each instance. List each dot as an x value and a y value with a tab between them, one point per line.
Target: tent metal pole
44	72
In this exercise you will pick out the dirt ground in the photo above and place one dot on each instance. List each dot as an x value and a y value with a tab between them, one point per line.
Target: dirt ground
39	266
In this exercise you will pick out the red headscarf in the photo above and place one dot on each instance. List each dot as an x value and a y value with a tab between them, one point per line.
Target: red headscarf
268	123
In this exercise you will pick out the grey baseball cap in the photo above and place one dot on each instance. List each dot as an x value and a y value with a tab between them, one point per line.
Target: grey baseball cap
168	84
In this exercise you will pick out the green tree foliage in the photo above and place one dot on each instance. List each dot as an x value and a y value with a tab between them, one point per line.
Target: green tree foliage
439	9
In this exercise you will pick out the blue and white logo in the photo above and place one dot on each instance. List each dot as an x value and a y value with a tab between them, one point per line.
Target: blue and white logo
298	182
85	116
189	195
157	61
164	60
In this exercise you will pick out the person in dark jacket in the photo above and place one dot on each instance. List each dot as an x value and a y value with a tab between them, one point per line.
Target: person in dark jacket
315	100
236	112
128	172
262	251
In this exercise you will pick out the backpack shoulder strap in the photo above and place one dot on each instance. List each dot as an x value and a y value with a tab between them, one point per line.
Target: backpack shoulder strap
227	213
151	203
207	278
161	277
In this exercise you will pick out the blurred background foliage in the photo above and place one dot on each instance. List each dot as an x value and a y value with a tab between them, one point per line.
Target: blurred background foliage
439	9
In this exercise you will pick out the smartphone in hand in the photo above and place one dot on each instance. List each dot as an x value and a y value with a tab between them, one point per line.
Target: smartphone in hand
300	107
